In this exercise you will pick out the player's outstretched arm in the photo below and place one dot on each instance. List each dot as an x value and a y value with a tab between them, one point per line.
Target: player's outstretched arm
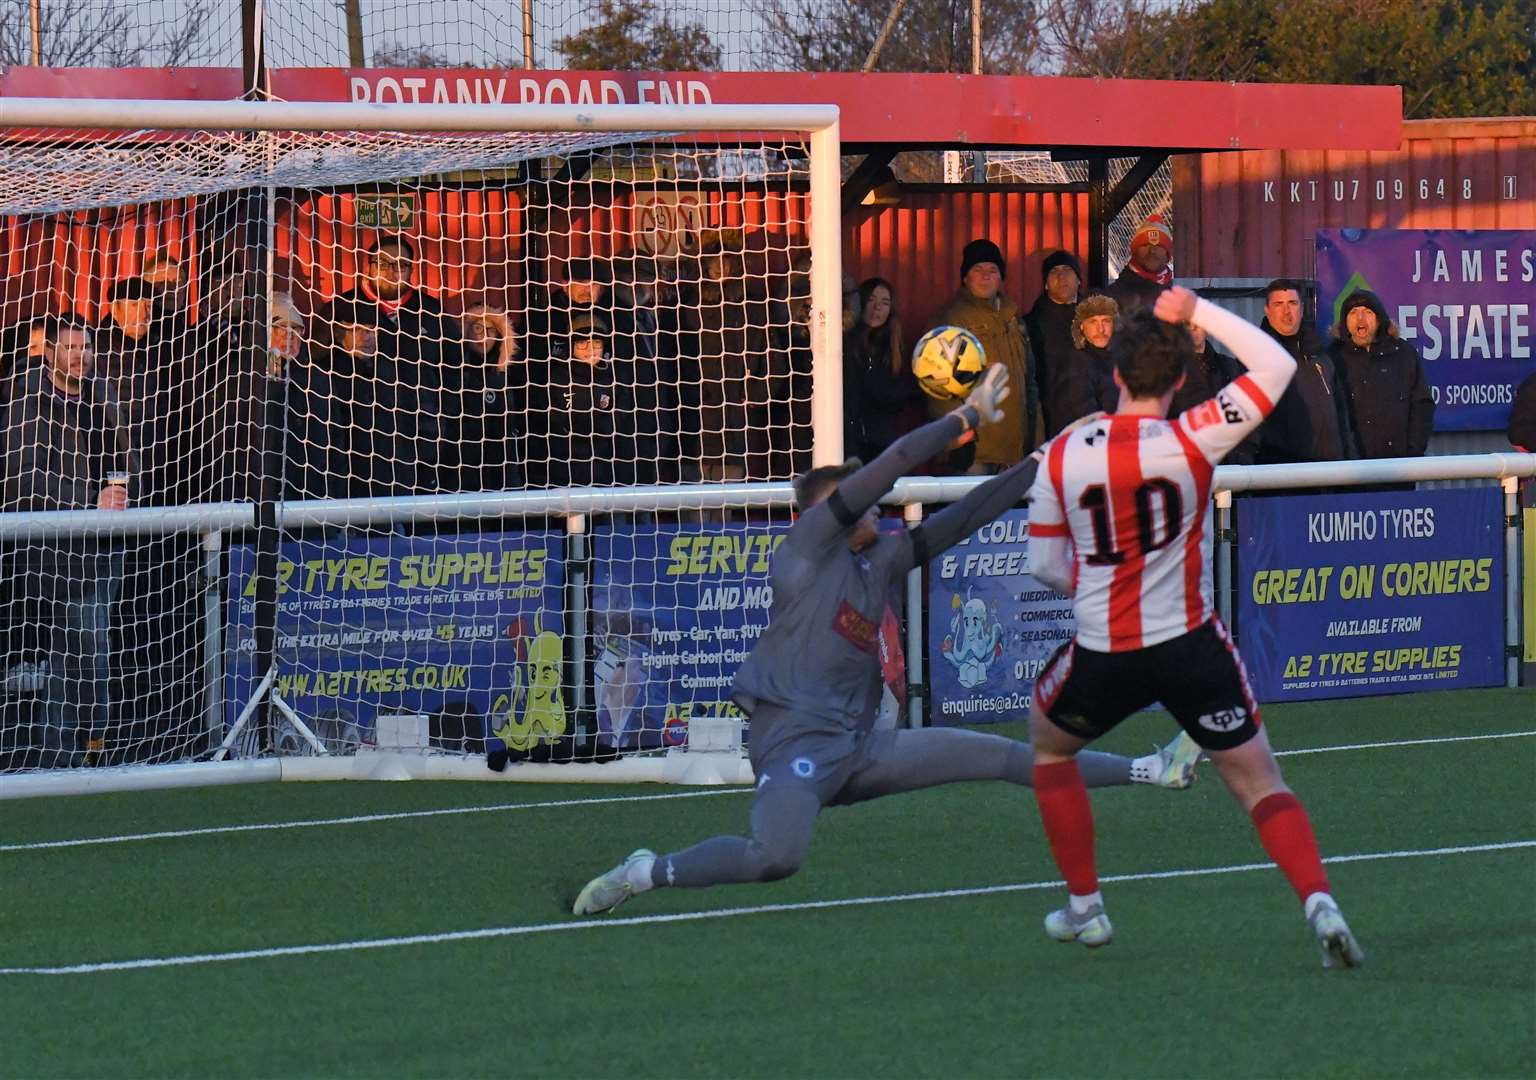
866	487
1270	367
1218	425
983	504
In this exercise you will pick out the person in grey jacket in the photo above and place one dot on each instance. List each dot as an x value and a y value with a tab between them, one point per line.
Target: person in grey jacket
1388	400
65	446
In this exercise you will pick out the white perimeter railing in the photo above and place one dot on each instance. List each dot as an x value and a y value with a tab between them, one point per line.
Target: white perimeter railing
215	521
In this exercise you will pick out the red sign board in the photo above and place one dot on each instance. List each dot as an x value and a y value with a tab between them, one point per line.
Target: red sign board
912	110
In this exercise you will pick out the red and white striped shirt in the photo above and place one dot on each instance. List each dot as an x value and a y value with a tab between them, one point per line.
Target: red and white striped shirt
1118	515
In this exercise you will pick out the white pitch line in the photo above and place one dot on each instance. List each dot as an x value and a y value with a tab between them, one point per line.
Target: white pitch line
404	815
1405	742
363	819
699	916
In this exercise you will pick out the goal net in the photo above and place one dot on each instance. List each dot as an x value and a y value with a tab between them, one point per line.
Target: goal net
336	432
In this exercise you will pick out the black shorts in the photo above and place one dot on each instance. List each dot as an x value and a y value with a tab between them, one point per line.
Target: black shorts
1198	677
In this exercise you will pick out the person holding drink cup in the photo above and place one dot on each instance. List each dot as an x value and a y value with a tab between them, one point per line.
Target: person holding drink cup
65	446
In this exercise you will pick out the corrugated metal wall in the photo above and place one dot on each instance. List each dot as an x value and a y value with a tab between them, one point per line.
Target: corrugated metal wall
468	241
916	245
1254	214
67	262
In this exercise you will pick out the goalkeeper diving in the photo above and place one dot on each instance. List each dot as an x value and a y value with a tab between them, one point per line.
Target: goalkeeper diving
813	682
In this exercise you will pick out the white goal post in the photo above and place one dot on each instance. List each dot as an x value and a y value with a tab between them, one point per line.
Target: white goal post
74	169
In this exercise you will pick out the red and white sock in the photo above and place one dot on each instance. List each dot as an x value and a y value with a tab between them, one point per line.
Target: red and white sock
1068	820
1286	833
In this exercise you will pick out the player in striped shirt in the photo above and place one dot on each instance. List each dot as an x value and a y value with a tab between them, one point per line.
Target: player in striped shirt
1119	521
813	681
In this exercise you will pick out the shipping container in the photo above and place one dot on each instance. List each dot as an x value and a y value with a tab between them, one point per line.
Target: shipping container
1254	213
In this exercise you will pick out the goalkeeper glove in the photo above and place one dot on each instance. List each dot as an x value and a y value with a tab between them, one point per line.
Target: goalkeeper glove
989	394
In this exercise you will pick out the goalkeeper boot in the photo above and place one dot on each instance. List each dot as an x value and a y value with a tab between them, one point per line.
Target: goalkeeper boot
1178	760
1334	938
1171	766
607	891
1091	928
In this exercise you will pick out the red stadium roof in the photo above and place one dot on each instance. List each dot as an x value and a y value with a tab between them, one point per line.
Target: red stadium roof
878	109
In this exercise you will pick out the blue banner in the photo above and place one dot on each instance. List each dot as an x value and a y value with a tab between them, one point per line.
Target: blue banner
1462	298
991	627
1349	595
675	610
466	629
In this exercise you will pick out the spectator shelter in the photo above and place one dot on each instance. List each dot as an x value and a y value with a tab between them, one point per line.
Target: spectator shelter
911	234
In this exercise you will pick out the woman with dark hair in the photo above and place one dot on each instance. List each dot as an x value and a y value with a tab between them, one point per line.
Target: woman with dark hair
881	399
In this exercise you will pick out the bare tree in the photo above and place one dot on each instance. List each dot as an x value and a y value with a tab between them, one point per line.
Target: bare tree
927	35
397	55
101	33
1133	38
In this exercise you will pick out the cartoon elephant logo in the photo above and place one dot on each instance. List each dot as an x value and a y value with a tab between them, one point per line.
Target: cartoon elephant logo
980	640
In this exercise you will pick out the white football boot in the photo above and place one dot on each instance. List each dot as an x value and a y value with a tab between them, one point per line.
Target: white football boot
607	891
1091	929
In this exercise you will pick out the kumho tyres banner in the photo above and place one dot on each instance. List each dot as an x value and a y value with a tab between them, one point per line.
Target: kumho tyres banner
466	629
675	610
991	627
1462	298
1349	595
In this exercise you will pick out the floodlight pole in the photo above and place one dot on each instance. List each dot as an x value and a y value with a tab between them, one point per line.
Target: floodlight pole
36	16
528	34
357	54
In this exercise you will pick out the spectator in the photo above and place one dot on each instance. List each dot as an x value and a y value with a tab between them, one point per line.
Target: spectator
26	344
981	308
1049	324
630	305
484	401
853	302
163	274
1150	269
881	398
793	341
361	412
1522	417
298	406
1388	403
724	343
410	336
285	336
1209	371
596	420
411	329
1309	422
582	286
66	447
1086	382
144	358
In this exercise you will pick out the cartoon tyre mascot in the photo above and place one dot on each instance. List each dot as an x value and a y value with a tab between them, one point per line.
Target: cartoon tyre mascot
979	645
534	712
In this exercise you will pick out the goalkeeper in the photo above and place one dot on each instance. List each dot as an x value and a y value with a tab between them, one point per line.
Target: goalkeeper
812	683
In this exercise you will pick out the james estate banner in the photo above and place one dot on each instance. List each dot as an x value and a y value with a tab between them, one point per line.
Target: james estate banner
1462	298
466	629
1358	594
991	627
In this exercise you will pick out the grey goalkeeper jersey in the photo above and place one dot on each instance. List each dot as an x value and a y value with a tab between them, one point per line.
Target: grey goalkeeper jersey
819	659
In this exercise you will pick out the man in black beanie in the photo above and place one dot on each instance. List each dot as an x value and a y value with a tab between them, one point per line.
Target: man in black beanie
980	307
1049	325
